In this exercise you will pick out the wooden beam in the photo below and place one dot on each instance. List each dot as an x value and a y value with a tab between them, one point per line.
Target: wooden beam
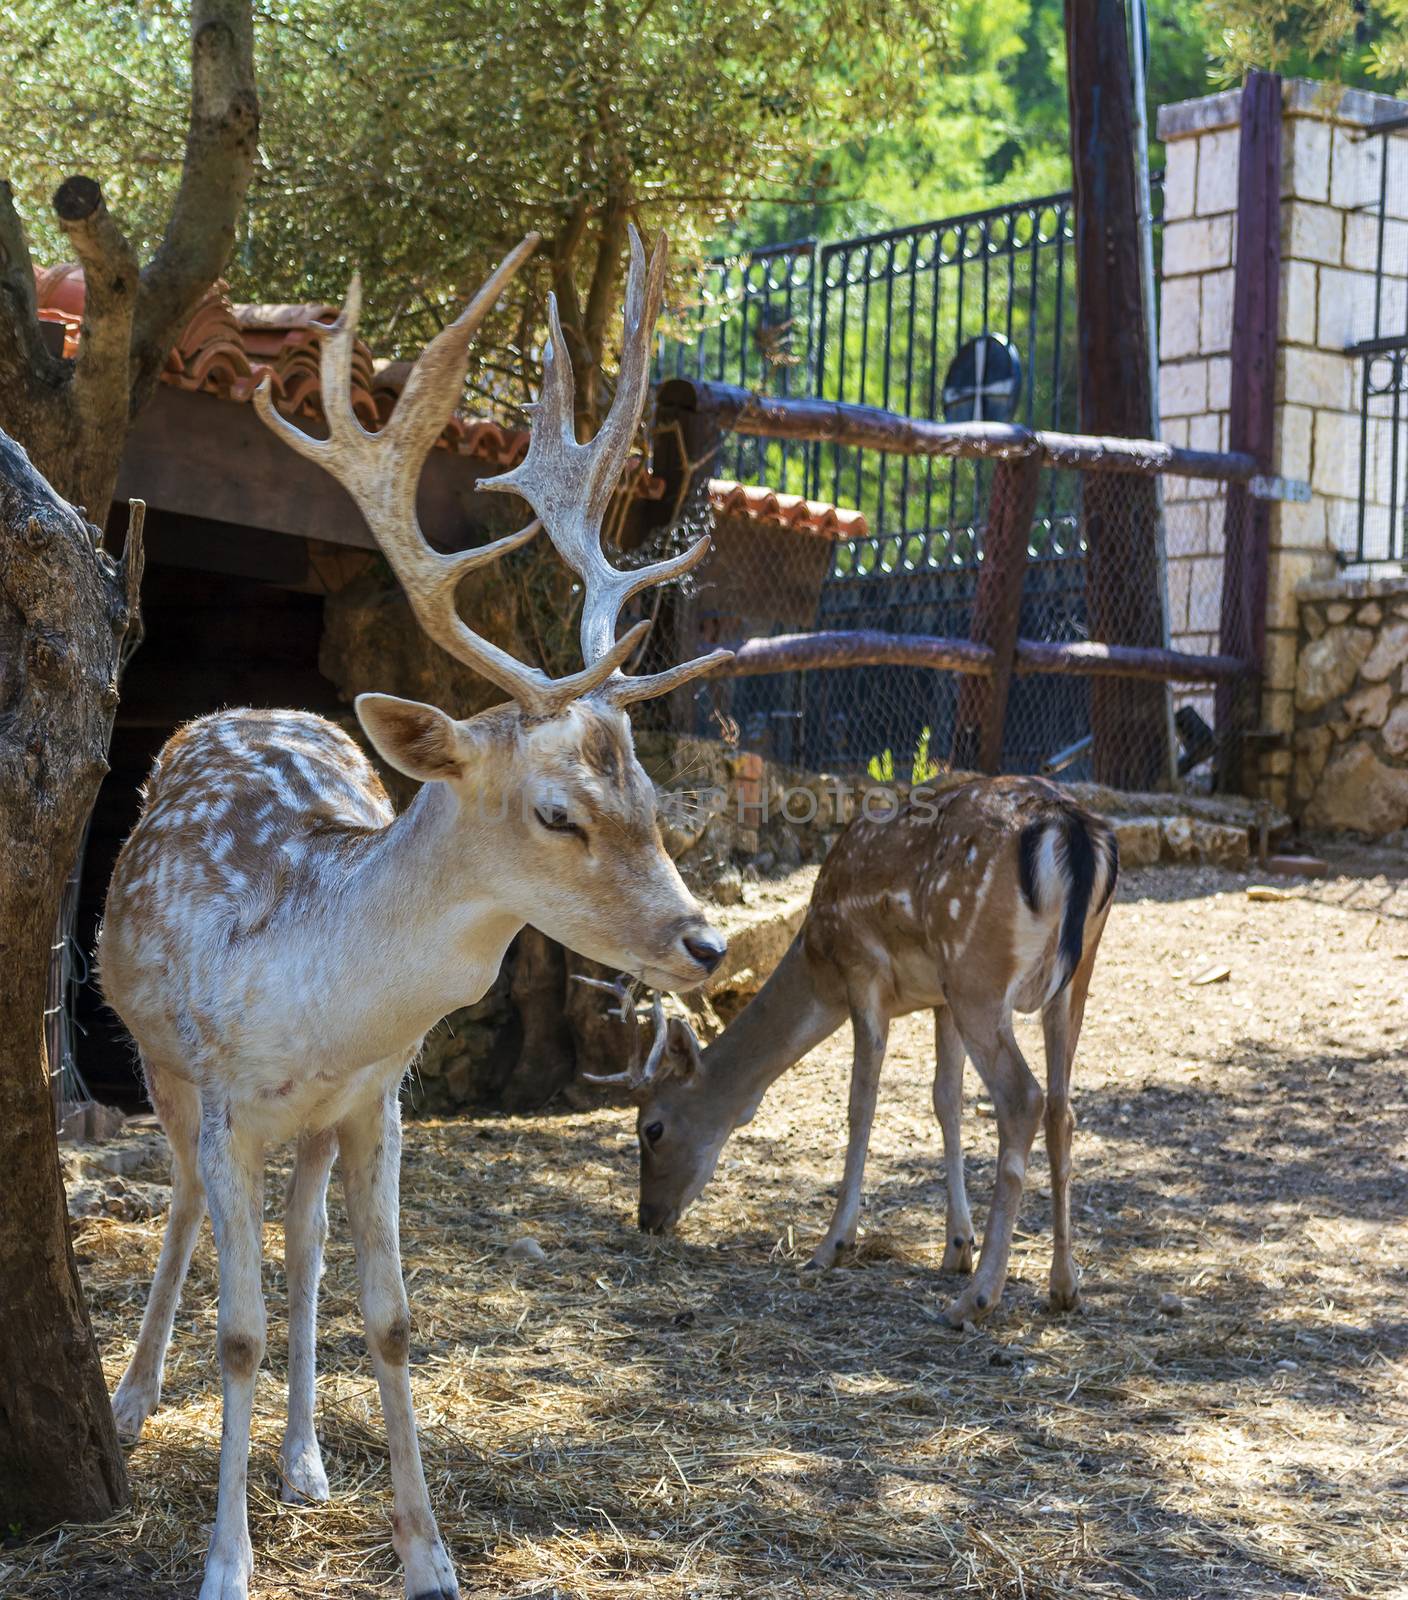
1087	659
802	652
200	456
997	612
869	428
806	652
1251	420
1145	457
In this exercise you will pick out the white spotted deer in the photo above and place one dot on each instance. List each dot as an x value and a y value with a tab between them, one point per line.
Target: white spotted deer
279	942
979	901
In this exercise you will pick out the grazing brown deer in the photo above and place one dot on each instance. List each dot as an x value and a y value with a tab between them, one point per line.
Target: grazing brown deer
980	901
279	942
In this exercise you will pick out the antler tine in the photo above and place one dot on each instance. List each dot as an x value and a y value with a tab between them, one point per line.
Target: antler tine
570	485
657	1044
633	1077
619	987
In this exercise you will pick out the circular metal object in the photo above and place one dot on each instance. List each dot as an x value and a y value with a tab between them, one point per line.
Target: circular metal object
983	382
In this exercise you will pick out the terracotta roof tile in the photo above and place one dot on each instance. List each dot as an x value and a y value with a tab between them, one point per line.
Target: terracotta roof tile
226	349
790	510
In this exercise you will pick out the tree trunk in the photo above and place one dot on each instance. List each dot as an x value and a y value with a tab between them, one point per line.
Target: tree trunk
65	607
1124	586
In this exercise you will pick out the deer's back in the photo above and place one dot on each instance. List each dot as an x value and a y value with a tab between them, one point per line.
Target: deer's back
931	896
243	818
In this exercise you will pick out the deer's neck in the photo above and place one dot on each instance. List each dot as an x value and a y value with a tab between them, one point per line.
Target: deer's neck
417	913
789	1016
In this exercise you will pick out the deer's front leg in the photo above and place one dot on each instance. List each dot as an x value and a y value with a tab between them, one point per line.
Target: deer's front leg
305	1233
948	1108
370	1143
232	1169
871	1028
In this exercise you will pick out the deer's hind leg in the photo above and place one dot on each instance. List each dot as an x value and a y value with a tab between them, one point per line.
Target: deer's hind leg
305	1233
1018	1100
178	1109
1061	1019
232	1167
959	1243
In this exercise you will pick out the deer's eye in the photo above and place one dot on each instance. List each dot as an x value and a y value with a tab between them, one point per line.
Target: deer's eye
557	819
654	1132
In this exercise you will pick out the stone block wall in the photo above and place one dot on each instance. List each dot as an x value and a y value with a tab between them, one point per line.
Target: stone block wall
1195	341
1351	694
1330	180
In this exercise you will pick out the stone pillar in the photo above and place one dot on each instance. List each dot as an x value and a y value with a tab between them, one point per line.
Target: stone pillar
1329	182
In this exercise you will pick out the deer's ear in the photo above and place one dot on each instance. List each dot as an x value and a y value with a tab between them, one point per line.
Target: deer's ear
416	739
681	1058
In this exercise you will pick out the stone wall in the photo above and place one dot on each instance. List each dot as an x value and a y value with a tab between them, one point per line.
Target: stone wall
1351	742
1330	180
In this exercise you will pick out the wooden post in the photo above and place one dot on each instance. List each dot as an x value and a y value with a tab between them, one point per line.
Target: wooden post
1120	514
997	610
1252	409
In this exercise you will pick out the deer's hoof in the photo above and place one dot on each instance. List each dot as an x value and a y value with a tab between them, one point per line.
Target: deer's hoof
1064	1296
130	1409
227	1576
971	1306
305	1481
827	1254
958	1255
429	1575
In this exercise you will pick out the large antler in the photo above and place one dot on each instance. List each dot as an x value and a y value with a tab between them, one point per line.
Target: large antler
570	485
382	470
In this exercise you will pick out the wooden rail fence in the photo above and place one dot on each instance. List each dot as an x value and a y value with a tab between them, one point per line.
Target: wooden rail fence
993	653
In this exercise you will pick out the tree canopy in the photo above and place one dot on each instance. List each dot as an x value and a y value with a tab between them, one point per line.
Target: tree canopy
418	140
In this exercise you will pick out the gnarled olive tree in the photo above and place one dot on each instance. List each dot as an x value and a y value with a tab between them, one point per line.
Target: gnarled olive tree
65	607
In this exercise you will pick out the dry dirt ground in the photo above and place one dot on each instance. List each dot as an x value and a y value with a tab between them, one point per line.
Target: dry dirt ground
689	1418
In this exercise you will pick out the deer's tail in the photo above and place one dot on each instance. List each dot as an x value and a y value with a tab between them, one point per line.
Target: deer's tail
1069	861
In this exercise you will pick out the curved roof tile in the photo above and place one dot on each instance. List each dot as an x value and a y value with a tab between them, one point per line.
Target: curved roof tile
227	349
790	510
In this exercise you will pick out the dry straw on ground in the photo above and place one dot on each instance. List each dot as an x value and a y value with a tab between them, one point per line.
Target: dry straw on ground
691	1419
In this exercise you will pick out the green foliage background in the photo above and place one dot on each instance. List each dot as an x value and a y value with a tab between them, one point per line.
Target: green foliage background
419	139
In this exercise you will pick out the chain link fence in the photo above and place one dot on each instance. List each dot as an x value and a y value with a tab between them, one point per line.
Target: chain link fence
1112	558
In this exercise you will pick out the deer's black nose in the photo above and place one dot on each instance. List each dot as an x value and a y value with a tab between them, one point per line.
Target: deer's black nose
706	947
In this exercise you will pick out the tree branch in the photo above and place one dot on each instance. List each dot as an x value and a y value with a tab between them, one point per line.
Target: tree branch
100	374
221	143
24	357
606	273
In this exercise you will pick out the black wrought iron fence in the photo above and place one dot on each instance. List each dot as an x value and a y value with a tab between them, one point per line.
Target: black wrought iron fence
879	320
752	325
1381	525
895	310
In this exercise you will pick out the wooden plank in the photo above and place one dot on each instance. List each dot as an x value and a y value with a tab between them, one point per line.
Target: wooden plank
201	456
997	611
1251	419
806	652
868	427
1085	658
